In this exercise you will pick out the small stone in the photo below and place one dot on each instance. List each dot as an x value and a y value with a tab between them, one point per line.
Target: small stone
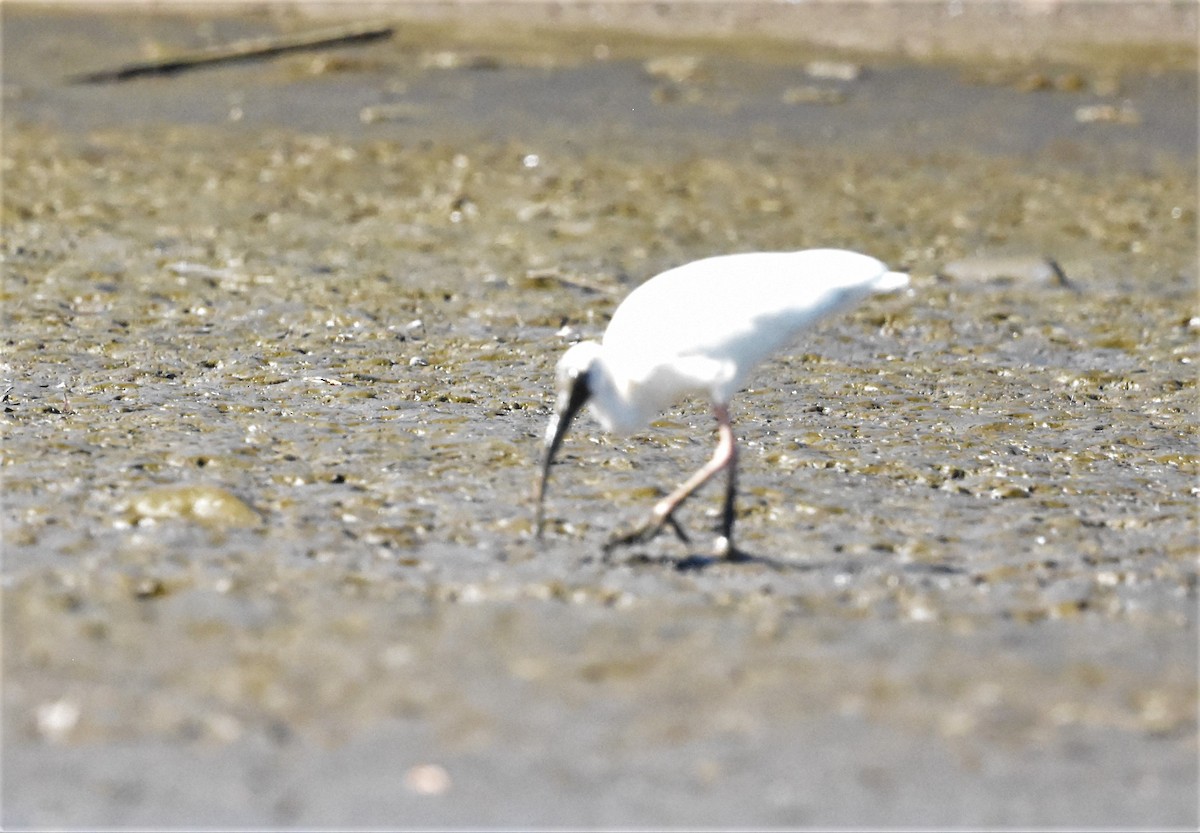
56	720
834	70
427	779
1107	114
678	69
811	94
1069	82
1005	269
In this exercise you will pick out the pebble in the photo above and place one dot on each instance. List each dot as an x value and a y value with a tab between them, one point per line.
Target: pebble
427	779
1107	114
833	70
1033	269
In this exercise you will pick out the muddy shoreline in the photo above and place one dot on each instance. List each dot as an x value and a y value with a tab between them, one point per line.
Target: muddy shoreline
279	340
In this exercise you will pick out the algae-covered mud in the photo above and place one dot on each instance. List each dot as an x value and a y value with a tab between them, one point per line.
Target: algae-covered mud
278	354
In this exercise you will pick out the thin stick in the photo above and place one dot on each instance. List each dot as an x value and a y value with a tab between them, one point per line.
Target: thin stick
245	50
537	275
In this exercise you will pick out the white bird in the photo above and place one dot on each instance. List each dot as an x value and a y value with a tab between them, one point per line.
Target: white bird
701	328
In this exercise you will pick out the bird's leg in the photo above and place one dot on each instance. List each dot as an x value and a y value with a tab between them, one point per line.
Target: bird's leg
663	513
724	546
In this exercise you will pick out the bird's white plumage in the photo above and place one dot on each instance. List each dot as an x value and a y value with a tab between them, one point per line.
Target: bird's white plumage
703	327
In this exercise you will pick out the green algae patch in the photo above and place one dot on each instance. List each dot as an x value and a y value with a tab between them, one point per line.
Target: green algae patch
209	505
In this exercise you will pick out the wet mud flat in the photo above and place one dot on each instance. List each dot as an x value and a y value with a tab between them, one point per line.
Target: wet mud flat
278	348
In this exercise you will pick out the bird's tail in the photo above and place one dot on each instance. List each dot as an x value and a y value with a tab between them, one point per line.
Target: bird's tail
889	281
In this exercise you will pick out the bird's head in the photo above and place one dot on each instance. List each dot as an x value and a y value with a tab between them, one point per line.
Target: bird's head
574	389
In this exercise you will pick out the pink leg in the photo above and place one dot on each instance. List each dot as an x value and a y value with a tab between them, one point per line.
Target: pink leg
725	456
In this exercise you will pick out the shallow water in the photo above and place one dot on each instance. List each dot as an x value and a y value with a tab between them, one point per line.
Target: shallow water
275	388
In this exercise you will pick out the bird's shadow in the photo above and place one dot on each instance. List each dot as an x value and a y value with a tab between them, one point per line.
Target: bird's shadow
695	562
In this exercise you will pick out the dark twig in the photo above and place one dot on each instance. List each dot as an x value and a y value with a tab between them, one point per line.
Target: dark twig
246	50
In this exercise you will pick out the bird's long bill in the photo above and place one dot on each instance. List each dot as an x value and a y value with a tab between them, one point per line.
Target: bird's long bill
569	404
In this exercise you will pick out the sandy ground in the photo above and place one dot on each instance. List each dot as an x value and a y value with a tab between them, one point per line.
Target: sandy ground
279	339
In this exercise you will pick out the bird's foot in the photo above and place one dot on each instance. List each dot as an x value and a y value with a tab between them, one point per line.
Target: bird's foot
723	548
726	550
646	532
723	551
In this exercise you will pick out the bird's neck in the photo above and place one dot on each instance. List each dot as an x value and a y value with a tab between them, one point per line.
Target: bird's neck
614	403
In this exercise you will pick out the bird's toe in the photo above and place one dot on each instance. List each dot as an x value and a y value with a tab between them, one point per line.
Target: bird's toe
645	532
677	527
638	535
